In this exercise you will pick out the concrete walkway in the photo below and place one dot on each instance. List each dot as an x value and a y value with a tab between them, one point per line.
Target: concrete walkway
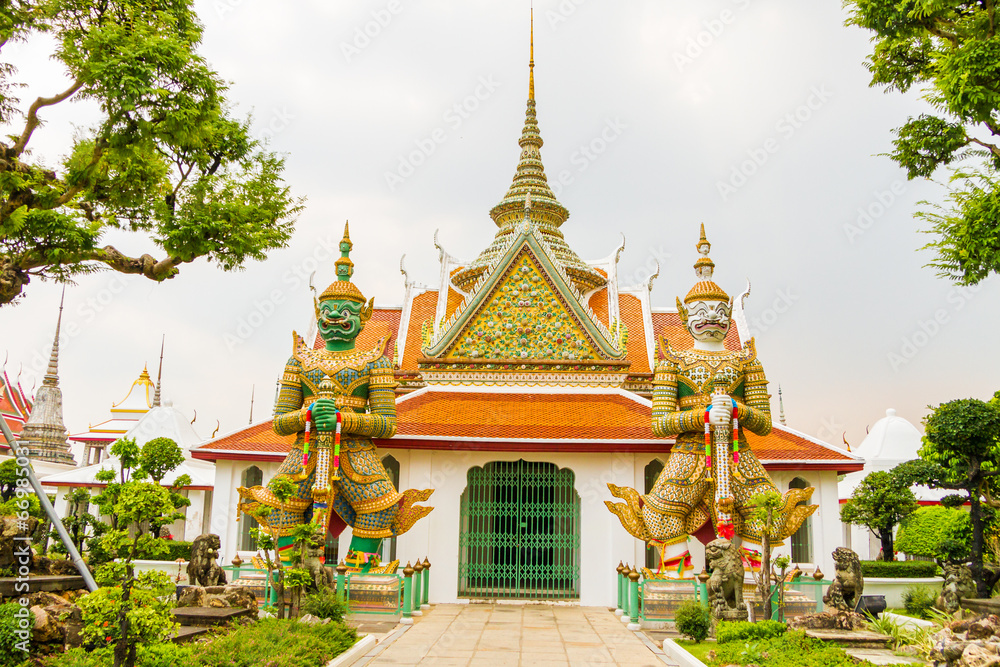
516	635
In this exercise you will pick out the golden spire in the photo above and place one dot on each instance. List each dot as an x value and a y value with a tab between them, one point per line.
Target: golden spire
530	186
342	287
531	60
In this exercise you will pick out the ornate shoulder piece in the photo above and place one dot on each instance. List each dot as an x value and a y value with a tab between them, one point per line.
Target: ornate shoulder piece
299	347
669	354
750	350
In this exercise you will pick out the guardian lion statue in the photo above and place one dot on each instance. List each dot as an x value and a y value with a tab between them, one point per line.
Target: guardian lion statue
322	576
203	568
848	583
725	586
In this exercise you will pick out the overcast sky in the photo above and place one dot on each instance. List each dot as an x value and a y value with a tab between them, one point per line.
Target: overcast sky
752	116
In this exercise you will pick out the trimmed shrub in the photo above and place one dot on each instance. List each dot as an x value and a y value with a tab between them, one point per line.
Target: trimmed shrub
275	643
174	549
919	600
10	654
899	569
693	620
731	631
790	649
922	533
324	603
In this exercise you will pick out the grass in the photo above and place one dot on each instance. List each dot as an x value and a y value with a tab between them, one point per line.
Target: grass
697	649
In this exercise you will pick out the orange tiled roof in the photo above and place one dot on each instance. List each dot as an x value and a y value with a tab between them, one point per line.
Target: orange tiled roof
454	299
599	304
505	416
256	438
421	310
630	309
784	445
501	416
669	325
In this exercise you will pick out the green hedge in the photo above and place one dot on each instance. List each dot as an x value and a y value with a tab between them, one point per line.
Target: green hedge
733	631
175	549
923	531
791	649
899	569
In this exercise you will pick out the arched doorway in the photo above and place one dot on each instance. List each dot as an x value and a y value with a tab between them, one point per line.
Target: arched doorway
653	470
519	533
801	538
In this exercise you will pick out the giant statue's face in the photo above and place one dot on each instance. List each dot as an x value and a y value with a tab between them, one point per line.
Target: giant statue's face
339	320
708	321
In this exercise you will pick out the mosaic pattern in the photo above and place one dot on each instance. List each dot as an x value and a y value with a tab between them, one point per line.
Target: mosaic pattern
526	319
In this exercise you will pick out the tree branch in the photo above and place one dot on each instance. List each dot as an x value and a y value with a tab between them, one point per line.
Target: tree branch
32	122
146	265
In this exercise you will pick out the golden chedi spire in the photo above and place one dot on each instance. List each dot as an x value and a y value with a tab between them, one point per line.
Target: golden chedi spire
530	197
705	289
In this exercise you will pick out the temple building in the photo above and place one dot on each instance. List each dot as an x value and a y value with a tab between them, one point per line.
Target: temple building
15	405
161	421
525	376
125	414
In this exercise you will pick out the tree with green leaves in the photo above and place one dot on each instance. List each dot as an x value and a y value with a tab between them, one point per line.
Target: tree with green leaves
166	159
961	451
765	509
136	617
880	502
949	49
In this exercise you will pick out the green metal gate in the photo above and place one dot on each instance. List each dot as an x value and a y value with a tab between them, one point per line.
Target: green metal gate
520	532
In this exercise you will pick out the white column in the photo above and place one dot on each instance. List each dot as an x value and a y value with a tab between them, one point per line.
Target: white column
193	515
224	509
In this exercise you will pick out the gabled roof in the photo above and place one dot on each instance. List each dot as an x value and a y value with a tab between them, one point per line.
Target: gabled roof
524	276
15	407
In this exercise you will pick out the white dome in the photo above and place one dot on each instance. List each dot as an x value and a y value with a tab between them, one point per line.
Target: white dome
891	440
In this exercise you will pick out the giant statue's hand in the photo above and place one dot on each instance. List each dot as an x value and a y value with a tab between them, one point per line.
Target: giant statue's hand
722	410
324	413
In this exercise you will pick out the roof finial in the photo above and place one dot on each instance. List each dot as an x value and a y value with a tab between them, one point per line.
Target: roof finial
781	407
345	267
253	387
52	375
531	60
159	374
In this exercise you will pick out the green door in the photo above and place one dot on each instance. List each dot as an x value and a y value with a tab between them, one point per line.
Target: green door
520	533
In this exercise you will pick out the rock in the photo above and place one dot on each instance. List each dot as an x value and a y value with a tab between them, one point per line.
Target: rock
45	599
980	629
710	656
240	597
978	656
909	649
218	603
9	531
950	652
215	590
192	596
829	620
47	628
309	619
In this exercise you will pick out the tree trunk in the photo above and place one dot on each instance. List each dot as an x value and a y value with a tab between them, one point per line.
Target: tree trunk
125	649
765	569
888	547
976	515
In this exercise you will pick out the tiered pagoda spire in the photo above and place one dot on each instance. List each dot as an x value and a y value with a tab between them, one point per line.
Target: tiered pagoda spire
44	433
530	198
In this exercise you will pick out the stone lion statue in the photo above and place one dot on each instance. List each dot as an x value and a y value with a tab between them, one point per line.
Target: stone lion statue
958	585
203	567
848	583
322	576
725	586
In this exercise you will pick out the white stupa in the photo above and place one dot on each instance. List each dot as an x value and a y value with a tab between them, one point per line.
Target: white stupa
891	441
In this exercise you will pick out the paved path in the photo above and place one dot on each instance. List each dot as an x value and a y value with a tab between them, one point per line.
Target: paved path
517	635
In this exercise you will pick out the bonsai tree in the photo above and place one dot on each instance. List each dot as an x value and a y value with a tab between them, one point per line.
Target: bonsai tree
880	502
766	507
961	451
138	615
